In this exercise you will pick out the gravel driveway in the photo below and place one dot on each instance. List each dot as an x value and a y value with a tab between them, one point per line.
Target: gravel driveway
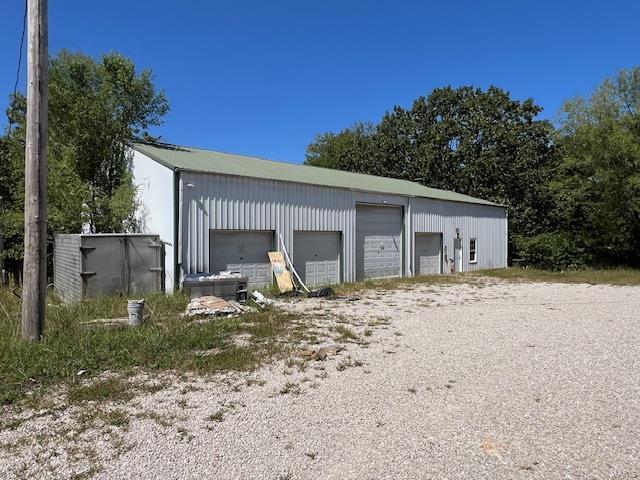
491	379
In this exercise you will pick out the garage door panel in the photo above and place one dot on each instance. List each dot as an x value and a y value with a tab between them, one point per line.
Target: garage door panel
243	251
378	240
316	257
428	253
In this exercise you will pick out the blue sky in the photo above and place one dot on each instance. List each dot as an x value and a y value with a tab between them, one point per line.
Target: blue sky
264	77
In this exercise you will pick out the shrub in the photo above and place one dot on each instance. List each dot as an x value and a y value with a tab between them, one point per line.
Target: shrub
553	251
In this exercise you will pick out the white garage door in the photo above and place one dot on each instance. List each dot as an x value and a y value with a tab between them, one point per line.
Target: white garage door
243	251
316	257
378	242
428	258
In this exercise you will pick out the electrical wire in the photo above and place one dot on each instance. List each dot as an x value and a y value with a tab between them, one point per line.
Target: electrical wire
15	86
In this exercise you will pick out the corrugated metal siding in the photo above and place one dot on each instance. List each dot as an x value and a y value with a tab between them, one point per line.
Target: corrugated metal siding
128	263
209	201
66	267
238	203
485	223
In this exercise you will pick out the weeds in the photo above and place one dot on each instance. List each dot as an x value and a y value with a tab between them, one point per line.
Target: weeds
217	416
290	387
348	362
346	333
613	276
112	389
116	418
398	282
162	420
164	342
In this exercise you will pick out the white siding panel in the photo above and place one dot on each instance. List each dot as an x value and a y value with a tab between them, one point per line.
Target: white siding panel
155	197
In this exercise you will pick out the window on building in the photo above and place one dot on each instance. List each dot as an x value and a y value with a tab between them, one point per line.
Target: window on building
473	255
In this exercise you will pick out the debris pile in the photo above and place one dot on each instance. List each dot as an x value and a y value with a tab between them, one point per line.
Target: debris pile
261	300
202	277
320	353
323	292
210	305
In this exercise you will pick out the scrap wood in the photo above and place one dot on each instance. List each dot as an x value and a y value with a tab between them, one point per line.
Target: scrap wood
320	353
241	308
210	305
283	277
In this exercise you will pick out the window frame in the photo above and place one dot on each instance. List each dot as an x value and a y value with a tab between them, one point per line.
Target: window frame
473	250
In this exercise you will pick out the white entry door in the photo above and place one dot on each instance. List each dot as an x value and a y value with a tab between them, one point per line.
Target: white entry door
457	246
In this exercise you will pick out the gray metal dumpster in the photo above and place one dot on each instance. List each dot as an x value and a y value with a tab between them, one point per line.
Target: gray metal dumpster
104	264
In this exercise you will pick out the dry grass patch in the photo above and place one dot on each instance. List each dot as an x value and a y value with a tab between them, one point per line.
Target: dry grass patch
613	276
346	334
384	284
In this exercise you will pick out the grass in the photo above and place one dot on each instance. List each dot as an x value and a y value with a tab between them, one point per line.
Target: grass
112	389
290	387
168	342
346	333
348	362
164	342
117	418
218	416
612	276
397	282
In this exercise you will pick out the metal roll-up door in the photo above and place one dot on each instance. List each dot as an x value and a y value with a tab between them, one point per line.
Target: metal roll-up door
428	249
316	257
378	242
243	251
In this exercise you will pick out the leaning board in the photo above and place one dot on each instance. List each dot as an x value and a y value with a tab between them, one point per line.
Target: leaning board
283	277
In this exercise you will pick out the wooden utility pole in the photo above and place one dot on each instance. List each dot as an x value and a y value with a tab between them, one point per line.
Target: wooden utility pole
34	278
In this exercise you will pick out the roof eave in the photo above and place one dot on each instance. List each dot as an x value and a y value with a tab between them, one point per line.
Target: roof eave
208	172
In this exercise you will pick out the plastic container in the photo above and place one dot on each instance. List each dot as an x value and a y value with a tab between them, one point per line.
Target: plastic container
136	312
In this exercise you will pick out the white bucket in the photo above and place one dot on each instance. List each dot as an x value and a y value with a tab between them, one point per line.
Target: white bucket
136	312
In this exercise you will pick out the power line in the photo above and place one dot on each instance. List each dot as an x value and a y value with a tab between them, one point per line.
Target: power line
15	86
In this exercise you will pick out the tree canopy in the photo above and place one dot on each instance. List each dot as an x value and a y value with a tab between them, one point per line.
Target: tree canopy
597	183
572	191
481	143
95	107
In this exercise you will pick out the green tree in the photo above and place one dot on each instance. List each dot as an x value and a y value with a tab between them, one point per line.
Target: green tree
352	149
482	143
95	108
597	184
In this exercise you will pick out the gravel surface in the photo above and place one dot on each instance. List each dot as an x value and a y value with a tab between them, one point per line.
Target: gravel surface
491	380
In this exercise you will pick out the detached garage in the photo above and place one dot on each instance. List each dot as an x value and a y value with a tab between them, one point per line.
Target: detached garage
218	211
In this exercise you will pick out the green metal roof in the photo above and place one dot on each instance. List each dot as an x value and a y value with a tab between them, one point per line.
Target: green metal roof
198	160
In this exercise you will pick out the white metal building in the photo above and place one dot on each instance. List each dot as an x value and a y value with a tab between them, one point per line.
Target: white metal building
219	211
